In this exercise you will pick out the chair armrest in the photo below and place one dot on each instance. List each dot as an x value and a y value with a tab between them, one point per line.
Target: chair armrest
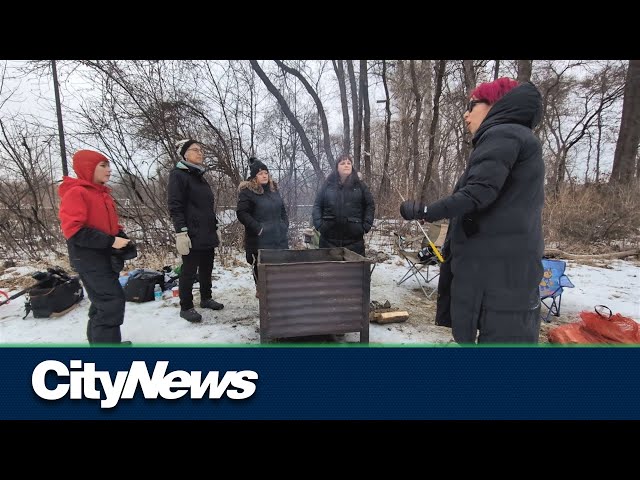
565	282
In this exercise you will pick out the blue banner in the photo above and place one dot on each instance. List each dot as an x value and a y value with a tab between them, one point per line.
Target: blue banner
320	383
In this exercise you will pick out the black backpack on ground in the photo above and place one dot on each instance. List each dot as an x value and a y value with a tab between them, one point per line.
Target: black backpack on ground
54	295
139	287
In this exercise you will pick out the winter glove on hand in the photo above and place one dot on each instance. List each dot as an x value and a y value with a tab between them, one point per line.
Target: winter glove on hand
412	210
183	243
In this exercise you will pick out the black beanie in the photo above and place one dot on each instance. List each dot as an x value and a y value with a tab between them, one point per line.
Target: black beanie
183	145
255	166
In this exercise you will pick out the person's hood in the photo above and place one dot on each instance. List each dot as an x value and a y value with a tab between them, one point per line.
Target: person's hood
85	163
522	105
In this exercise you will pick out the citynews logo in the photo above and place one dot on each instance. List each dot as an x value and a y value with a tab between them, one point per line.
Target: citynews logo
83	381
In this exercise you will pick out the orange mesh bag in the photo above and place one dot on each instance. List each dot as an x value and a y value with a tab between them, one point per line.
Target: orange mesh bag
573	333
597	328
615	329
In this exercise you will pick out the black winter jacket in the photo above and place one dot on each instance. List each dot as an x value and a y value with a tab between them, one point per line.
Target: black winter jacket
496	205
191	206
343	213
495	243
262	209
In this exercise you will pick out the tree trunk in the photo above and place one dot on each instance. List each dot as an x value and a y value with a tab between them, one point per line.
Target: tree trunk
319	107
385	184
524	70
360	116
469	78
629	136
496	69
364	96
433	128
415	151
404	148
357	121
429	69
306	145
346	131
560	169
598	149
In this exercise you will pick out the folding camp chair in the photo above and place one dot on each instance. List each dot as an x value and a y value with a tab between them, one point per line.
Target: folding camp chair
553	283
419	255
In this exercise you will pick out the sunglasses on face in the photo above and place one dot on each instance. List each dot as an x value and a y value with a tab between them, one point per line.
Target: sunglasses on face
473	103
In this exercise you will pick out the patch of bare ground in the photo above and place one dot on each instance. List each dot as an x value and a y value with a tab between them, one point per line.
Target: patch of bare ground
422	315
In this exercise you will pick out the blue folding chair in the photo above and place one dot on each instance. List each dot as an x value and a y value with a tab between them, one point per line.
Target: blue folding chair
553	283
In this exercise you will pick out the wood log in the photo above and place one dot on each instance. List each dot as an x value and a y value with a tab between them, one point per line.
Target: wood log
391	317
554	252
378	311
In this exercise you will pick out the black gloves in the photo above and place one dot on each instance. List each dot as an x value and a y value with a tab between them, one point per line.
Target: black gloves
412	210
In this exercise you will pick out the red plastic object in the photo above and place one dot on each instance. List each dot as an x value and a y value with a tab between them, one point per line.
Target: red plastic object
594	328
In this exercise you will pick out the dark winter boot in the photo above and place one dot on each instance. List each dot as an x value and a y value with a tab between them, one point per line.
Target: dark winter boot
212	304
191	315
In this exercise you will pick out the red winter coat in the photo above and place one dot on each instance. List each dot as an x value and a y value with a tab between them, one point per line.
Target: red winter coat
86	204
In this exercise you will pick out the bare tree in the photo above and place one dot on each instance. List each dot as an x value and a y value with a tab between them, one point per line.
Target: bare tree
417	98
385	184
233	89
357	119
320	108
308	149
566	122
469	76
401	89
28	222
364	97
629	136
433	128
524	70
342	85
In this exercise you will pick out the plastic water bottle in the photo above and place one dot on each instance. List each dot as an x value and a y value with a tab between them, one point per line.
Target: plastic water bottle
157	292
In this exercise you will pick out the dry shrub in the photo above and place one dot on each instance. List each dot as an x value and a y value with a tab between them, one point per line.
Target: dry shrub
586	217
388	206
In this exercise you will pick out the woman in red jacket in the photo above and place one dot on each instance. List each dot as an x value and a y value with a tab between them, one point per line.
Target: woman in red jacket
96	242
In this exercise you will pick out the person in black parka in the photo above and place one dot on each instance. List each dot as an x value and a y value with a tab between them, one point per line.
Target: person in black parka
344	208
494	245
262	212
191	206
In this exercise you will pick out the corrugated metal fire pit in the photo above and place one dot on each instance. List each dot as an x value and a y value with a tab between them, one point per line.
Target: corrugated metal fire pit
313	292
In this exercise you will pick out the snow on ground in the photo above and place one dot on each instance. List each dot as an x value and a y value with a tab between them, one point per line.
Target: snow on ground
616	285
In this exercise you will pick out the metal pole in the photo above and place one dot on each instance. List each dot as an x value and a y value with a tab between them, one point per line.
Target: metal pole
63	151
